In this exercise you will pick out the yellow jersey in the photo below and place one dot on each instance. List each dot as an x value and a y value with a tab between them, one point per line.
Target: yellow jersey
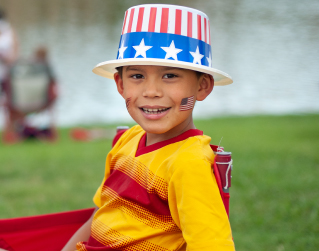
161	197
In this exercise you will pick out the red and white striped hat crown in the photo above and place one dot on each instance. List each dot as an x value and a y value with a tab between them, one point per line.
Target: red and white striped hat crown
167	19
165	35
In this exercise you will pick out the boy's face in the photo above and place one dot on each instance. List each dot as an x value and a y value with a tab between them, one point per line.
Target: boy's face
154	94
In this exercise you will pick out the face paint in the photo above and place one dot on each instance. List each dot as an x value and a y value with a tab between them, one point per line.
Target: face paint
187	103
128	100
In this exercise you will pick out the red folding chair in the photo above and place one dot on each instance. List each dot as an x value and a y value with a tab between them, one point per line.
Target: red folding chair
48	232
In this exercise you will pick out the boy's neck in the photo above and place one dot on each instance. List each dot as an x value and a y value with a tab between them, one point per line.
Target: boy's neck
152	138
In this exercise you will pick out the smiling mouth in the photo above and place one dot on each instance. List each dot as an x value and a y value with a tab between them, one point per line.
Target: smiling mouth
154	111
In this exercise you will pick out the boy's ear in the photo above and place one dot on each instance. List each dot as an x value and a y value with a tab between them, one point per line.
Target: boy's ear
206	85
119	83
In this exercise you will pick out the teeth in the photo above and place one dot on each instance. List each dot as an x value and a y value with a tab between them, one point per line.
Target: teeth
153	111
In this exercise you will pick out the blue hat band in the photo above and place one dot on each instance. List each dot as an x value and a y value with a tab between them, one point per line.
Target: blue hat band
164	46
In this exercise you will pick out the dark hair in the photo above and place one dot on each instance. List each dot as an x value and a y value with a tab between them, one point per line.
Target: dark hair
120	71
199	74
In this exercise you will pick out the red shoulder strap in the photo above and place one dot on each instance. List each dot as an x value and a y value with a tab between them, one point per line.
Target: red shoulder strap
225	196
119	131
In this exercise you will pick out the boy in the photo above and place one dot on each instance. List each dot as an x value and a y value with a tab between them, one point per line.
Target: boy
159	192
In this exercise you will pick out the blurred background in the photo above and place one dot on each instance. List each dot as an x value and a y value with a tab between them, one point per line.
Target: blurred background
268	118
270	48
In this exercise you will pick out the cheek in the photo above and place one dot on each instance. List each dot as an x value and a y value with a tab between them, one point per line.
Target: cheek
128	101
187	103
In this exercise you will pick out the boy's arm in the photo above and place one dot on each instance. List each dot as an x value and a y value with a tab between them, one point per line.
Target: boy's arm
197	208
82	234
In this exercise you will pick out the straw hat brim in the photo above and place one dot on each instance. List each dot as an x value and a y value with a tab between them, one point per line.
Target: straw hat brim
107	69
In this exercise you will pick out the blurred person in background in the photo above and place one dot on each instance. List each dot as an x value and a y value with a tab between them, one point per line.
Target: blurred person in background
29	88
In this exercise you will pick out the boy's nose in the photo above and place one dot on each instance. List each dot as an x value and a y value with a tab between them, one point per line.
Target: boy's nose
152	89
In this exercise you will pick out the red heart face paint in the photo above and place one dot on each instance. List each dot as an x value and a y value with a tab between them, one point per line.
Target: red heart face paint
128	101
187	103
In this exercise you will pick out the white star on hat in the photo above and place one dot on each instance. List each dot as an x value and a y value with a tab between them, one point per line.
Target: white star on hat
171	51
141	49
197	56
209	59
121	50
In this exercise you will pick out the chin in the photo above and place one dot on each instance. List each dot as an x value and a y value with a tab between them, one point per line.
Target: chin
154	129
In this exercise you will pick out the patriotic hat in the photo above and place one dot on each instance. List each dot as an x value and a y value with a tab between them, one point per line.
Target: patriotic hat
165	35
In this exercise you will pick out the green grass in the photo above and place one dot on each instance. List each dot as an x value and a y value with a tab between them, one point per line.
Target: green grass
274	193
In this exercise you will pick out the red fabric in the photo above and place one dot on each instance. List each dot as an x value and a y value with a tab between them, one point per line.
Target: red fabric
118	136
143	149
214	148
48	232
150	201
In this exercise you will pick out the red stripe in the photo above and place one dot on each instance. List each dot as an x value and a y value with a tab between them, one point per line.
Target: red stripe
205	31
164	23
124	22
199	27
178	22
140	19
186	106
151	25
131	21
189	24
127	188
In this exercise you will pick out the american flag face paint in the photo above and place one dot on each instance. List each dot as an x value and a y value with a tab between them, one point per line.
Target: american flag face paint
128	101
187	103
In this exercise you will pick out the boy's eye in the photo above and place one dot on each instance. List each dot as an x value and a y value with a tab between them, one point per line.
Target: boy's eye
169	75
137	76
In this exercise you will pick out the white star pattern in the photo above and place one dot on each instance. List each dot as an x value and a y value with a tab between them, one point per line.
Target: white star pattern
171	51
209	59
121	50
141	49
197	56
